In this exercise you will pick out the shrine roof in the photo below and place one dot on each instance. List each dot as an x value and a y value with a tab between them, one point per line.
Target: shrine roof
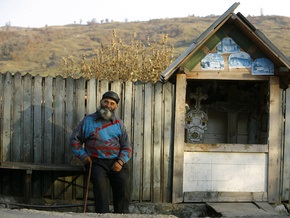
240	29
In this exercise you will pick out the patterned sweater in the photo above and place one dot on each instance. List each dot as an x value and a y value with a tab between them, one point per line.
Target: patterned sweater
100	138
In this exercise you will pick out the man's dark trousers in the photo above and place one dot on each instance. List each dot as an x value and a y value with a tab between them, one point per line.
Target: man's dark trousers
101	176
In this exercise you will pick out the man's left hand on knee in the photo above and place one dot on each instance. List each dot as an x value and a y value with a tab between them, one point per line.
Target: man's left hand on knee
117	166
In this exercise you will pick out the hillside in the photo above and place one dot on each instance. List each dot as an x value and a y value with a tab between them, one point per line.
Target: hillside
40	50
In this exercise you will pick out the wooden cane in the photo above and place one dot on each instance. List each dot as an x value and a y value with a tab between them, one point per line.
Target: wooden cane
87	187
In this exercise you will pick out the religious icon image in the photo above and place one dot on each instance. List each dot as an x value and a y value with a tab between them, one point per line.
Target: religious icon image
262	66
227	45
212	61
240	60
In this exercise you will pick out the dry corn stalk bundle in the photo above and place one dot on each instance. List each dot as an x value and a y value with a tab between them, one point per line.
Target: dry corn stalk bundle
134	61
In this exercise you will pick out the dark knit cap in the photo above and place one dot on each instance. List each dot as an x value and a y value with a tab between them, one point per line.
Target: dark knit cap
111	95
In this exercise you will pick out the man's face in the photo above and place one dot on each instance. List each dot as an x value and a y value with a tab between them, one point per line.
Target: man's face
108	103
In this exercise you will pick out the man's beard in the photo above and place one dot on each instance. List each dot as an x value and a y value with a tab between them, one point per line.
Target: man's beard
106	113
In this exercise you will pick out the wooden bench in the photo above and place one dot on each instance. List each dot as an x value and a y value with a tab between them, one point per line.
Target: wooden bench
30	167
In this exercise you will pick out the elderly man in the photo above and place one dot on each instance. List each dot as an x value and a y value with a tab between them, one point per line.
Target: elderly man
101	139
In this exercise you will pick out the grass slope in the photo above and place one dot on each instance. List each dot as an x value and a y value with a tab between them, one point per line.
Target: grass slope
40	50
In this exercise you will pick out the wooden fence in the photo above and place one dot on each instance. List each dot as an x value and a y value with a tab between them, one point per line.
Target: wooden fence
38	114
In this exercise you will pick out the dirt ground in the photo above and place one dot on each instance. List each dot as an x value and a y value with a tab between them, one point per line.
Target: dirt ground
46	208
14	207
28	213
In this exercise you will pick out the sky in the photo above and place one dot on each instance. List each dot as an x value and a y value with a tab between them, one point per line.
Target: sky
41	13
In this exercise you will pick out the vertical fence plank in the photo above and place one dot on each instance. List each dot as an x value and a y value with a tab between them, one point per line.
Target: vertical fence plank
147	151
37	133
6	133
137	142
102	88
127	119
168	94
79	115
37	119
1	114
5	98
116	86
69	125
47	134
27	120
91	96
157	148
47	143
17	111
127	107
80	99
58	121
58	130
69	117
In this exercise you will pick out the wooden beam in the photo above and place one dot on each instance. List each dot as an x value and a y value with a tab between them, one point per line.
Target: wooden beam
234	148
224	196
178	153
239	75
40	167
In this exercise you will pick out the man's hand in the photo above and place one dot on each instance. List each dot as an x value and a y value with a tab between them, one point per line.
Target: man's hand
87	160
117	166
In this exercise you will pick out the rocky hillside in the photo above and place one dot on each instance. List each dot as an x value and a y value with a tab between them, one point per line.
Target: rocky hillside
41	50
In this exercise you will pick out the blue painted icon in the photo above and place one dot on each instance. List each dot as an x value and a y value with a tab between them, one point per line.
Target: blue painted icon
227	45
262	66
212	61
240	60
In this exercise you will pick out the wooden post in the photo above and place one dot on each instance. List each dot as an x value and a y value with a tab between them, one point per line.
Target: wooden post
286	167
179	142
274	141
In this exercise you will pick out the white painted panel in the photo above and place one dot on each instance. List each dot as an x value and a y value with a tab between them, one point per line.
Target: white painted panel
225	172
